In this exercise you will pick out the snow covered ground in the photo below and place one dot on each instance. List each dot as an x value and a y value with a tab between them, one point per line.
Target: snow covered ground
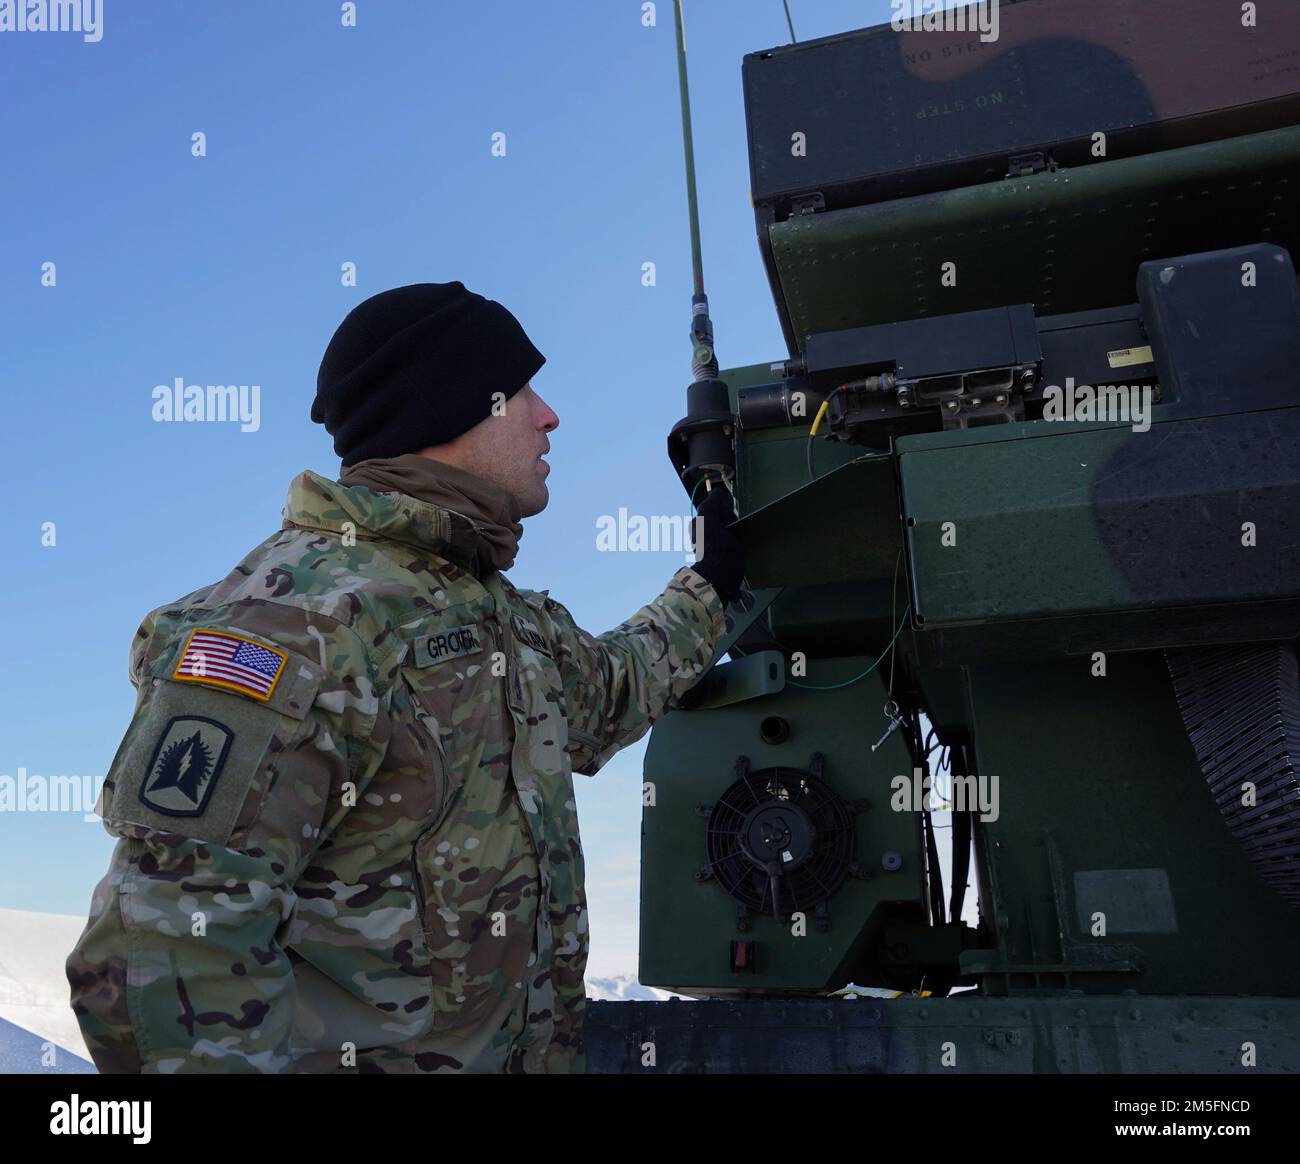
33	986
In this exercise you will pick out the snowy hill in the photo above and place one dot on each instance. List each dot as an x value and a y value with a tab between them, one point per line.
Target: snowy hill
625	988
33	987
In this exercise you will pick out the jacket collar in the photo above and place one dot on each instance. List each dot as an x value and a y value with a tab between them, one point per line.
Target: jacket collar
316	502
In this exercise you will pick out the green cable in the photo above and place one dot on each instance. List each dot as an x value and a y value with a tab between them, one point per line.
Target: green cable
698	483
848	682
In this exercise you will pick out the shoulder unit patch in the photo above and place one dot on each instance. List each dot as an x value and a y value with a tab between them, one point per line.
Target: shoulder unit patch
186	762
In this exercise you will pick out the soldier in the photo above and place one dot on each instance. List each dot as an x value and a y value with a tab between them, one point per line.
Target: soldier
345	808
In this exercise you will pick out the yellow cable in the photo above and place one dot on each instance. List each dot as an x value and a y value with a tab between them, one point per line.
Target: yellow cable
818	418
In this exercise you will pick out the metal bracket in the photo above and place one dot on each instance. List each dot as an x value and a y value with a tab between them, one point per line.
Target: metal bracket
762	673
1037	162
743	617
807	203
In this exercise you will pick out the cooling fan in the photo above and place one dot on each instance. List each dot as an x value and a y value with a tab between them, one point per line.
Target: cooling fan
780	841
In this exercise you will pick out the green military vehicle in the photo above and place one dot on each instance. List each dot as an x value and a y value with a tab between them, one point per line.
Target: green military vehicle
1000	771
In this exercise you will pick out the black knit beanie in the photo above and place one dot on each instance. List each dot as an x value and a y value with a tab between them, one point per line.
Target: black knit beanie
417	366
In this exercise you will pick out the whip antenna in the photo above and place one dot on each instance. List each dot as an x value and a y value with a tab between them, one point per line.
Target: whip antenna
700	444
704	362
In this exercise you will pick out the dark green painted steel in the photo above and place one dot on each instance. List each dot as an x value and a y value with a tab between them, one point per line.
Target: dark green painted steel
687	925
1035	239
1095	773
1034	645
740	679
1081	524
1100	806
811	536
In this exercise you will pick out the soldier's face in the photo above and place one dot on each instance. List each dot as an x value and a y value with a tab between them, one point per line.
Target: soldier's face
507	449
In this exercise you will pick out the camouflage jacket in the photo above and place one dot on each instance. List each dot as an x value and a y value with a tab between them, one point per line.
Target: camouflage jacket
348	836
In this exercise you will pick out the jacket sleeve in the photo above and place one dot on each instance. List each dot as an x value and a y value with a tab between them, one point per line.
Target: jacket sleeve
218	799
618	683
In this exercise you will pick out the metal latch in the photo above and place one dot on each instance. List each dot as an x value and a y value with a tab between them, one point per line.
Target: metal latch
1022	165
807	203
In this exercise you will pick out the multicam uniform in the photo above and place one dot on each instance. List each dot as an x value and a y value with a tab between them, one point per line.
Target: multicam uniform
348	836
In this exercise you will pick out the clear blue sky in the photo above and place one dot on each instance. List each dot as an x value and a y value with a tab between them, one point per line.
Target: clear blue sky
328	145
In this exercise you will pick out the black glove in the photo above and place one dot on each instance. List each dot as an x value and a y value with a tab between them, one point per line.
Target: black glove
723	561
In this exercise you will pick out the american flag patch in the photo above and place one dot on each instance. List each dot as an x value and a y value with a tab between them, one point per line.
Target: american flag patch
226	660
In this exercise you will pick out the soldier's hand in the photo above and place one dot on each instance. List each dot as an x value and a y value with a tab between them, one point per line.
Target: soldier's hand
721	557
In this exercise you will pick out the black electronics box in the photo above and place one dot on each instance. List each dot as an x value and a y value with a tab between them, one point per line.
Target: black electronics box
879	114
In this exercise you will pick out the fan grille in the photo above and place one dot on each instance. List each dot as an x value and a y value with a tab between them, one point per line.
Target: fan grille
780	841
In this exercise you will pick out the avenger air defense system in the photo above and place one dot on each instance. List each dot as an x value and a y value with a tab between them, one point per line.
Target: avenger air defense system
1021	503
